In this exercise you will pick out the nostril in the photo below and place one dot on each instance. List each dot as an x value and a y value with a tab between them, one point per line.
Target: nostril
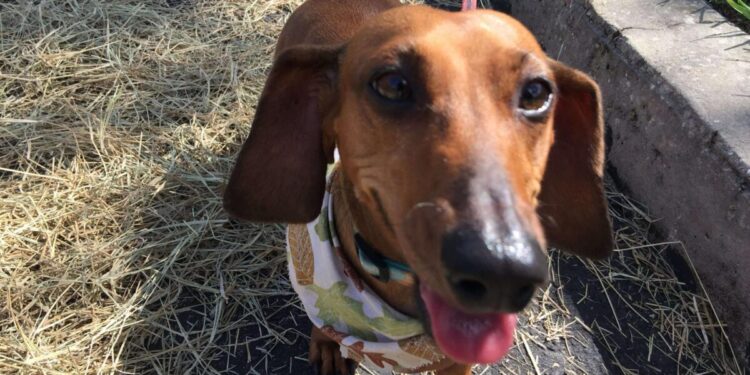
470	289
523	296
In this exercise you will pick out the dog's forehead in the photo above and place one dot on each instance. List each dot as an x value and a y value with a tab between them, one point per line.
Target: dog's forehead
409	27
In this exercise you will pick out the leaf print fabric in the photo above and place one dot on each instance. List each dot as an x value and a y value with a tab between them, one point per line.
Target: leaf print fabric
347	310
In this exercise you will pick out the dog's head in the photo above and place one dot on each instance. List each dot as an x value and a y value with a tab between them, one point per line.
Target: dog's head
467	150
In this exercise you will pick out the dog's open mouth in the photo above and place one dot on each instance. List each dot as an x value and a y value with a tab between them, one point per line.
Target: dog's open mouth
468	338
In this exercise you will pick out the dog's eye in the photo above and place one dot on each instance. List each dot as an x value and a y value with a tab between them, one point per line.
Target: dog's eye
536	99
392	86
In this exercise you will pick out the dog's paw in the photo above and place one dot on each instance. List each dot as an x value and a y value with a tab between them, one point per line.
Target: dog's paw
325	356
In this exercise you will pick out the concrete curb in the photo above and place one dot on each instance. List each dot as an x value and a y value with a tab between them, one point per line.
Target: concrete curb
676	83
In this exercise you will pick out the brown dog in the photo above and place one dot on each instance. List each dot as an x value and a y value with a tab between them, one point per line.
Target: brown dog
464	151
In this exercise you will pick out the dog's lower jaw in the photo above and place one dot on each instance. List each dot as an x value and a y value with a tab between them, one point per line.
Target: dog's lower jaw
483	347
406	297
348	212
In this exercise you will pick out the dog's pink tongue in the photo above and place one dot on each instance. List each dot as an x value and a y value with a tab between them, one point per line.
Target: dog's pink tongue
468	338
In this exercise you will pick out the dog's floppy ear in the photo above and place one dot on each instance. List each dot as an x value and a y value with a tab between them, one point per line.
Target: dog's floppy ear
280	171
572	206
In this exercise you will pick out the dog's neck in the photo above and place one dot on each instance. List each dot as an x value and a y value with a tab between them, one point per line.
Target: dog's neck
349	214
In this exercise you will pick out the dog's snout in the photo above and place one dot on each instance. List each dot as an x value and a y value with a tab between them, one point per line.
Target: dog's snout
493	274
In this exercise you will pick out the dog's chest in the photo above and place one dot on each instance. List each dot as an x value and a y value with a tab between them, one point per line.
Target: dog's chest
346	309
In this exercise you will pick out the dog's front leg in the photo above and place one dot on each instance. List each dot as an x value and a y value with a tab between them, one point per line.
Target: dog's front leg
325	356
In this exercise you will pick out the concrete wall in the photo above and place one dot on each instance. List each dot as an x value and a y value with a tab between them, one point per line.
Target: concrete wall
676	84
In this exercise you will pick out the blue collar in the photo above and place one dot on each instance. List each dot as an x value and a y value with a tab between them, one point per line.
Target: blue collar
376	264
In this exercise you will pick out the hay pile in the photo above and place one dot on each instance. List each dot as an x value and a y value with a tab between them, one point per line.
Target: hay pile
119	121
118	125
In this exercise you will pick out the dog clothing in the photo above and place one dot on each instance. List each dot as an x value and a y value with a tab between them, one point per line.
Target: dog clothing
338	302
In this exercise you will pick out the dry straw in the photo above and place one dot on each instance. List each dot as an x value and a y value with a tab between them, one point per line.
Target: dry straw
118	125
646	310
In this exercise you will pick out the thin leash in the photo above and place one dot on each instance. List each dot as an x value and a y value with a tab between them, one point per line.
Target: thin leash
469	5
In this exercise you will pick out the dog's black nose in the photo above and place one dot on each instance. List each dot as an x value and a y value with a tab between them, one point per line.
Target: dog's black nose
490	272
